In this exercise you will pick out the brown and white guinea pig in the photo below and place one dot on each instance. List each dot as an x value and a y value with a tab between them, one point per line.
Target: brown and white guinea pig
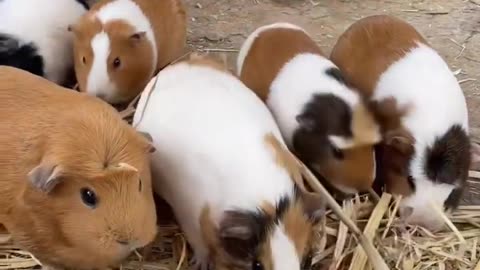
34	36
425	154
321	119
223	167
120	44
75	184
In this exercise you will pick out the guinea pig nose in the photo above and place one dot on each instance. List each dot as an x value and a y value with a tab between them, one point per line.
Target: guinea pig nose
406	212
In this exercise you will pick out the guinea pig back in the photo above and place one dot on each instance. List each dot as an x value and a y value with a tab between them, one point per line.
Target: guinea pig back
120	44
425	153
237	202
75	179
34	36
321	119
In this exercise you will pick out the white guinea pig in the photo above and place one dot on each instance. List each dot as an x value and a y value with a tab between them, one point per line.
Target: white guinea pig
225	170
34	36
426	153
120	44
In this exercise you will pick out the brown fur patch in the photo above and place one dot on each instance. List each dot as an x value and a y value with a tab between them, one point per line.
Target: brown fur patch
369	46
82	136
285	159
298	229
364	127
270	51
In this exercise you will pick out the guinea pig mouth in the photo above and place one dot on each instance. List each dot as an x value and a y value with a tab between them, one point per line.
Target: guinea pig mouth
336	193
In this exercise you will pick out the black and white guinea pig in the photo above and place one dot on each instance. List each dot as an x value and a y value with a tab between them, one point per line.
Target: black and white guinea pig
34	36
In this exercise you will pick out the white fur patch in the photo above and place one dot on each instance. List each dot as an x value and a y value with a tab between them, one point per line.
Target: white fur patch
98	81
423	79
284	254
340	142
297	82
420	202
213	144
130	12
251	39
46	25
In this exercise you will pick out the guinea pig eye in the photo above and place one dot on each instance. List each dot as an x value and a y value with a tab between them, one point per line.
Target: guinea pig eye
89	197
257	265
116	62
337	153
84	60
140	185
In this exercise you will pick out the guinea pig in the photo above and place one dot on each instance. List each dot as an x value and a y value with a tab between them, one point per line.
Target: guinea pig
75	186
120	44
321	118
425	153
223	167
34	36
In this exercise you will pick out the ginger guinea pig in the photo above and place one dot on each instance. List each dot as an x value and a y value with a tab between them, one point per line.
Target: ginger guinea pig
34	36
75	184
120	44
321	119
425	154
223	167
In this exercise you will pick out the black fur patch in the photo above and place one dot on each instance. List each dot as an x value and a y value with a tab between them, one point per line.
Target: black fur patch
453	200
258	222
323	116
335	73
260	225
22	56
84	4
448	160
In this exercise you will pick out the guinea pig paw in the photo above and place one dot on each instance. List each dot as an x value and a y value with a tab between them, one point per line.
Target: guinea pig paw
199	263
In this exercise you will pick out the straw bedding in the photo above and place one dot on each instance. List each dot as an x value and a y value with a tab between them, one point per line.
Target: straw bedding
336	246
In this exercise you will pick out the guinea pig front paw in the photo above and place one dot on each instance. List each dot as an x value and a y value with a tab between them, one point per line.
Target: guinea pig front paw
198	263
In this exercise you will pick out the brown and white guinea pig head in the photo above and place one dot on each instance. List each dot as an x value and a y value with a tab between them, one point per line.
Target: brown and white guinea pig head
336	135
426	177
425	153
77	211
273	237
113	59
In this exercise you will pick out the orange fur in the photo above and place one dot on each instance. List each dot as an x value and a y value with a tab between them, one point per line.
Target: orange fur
168	21
86	139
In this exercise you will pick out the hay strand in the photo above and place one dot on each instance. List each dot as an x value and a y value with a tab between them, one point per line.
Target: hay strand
372	253
359	257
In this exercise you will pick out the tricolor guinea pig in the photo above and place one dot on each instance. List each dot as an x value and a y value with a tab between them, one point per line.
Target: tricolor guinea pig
75	186
223	167
34	36
322	119
120	44
426	153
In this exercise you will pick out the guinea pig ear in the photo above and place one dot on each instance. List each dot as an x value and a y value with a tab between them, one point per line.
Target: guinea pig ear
149	138
45	177
400	140
314	204
137	37
238	233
